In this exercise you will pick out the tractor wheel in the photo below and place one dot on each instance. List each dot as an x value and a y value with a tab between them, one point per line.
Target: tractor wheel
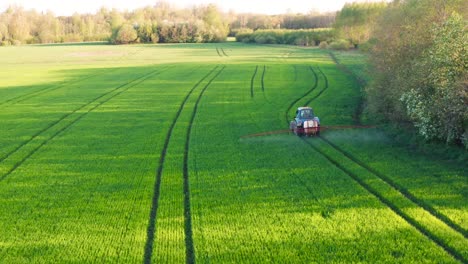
296	132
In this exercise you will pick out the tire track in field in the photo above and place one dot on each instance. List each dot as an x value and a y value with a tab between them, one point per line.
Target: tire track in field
263	78
410	220
32	94
217	51
224	53
126	217
23	97
286	113
400	189
118	91
323	90
252	82
130	213
325	210
190	250
360	81
34	136
140	80
404	192
263	86
148	251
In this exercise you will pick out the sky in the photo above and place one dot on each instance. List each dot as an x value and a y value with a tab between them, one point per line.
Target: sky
66	8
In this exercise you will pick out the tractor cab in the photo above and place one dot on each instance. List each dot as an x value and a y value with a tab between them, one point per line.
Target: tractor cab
304	113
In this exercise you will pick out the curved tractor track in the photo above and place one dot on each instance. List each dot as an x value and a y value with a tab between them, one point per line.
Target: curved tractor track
252	82
286	113
224	53
221	52
190	250
263	78
360	81
151	229
321	91
458	233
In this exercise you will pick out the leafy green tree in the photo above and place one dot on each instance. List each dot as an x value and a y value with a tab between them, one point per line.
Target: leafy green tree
155	34
418	73
399	43
126	34
174	34
439	104
356	21
116	20
19	26
217	30
198	31
183	33
3	31
163	33
145	31
155	38
46	28
77	24
102	26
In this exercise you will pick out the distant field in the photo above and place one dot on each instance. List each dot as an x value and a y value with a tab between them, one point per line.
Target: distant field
157	154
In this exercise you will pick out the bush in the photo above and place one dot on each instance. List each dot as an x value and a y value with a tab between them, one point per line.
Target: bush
244	37
340	44
367	46
292	37
260	40
323	45
235	31
126	34
5	43
437	102
154	38
15	42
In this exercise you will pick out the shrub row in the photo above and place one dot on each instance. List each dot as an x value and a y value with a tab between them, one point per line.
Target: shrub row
309	37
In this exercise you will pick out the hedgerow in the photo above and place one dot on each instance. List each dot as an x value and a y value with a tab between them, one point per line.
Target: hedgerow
309	37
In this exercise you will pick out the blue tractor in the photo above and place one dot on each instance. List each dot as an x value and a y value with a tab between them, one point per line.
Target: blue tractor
305	122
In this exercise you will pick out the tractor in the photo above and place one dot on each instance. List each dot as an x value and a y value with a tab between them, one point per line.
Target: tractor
305	122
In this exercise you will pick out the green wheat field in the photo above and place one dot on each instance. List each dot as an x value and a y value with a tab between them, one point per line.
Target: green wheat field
162	154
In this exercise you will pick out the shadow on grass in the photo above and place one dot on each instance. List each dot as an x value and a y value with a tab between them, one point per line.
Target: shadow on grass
93	43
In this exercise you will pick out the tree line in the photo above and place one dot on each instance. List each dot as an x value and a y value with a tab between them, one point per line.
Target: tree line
161	23
419	66
301	37
418	63
255	22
